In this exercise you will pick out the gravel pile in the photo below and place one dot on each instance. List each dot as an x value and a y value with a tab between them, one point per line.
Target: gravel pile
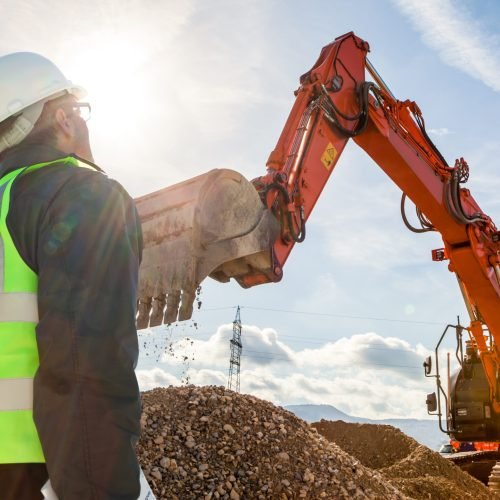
414	469
208	443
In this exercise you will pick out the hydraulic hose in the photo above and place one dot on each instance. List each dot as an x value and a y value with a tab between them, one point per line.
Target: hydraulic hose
426	225
453	203
332	112
301	235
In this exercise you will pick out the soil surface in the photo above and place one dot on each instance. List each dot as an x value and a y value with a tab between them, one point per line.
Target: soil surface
411	467
209	443
375	446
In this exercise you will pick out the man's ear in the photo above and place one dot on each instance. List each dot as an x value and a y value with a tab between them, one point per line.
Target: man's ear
63	123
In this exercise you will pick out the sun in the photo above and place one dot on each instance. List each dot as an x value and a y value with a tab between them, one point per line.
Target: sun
112	70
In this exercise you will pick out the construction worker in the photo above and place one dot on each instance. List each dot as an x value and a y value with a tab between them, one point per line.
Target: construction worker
70	248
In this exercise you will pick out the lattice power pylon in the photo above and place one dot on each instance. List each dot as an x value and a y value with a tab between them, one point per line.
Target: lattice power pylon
233	382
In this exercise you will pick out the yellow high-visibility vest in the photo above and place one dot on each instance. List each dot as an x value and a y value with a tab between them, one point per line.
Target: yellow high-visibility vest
19	441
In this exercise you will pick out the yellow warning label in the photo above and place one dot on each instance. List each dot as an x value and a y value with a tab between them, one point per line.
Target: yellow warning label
329	155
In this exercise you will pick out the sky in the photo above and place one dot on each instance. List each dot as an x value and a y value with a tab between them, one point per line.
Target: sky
179	87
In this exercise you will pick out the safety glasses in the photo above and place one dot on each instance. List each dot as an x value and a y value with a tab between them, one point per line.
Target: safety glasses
82	109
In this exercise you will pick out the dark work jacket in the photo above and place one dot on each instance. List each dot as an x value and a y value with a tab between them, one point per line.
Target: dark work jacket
79	232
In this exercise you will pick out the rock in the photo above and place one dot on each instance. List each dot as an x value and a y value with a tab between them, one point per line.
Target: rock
229	428
309	476
156	474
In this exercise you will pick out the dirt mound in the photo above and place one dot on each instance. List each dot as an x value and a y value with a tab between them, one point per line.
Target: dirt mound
414	469
375	446
208	443
427	473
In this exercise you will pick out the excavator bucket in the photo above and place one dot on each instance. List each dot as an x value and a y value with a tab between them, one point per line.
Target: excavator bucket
211	225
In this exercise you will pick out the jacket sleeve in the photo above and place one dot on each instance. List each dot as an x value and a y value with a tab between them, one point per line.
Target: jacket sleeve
86	252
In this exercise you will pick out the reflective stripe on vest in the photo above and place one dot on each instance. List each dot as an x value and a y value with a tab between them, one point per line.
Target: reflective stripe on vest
19	442
16	394
18	307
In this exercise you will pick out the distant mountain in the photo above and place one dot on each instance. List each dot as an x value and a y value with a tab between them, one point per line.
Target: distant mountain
314	413
424	431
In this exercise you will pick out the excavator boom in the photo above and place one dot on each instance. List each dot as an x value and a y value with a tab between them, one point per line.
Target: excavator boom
223	226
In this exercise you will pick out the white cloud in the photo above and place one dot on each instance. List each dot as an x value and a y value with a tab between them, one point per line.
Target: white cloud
261	347
484	180
264	348
206	377
370	397
459	40
365	374
440	132
156	377
365	352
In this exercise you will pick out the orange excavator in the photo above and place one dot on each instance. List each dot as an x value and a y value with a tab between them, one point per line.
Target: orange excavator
221	225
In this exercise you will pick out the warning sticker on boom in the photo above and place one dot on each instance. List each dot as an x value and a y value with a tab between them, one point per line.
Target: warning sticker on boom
329	155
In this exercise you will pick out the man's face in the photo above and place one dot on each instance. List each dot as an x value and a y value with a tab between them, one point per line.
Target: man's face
78	129
72	130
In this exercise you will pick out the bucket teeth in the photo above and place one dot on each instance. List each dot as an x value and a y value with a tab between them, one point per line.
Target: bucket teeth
186	309
166	308
173	300
143	310
156	318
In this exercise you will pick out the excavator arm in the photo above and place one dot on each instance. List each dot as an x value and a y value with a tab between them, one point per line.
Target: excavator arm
253	238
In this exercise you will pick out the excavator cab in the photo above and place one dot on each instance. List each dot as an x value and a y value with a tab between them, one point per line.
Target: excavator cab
471	415
467	408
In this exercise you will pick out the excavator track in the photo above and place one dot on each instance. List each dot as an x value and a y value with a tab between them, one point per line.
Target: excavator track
494	479
482	465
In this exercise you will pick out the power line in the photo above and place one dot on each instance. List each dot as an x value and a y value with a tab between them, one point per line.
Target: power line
308	340
271	356
384	365
310	313
281	356
337	351
332	315
377	347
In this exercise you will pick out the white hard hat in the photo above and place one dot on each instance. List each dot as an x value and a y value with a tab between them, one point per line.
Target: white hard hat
27	81
27	78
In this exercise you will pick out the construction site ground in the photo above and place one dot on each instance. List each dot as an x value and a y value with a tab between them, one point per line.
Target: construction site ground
210	443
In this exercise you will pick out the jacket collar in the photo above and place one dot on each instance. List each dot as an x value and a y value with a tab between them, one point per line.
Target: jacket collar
23	156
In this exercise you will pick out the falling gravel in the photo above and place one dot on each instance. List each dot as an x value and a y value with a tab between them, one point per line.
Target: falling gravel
209	443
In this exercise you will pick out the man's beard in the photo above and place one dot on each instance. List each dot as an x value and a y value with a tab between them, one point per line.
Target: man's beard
82	141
